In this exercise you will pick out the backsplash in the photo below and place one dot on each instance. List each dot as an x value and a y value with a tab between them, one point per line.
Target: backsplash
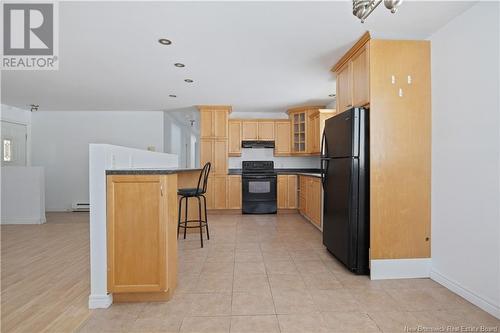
266	154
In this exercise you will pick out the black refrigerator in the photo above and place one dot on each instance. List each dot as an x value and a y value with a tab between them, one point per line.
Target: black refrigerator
344	175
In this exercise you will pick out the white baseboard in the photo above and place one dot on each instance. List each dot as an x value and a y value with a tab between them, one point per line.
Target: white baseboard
23	220
381	269
100	301
485	304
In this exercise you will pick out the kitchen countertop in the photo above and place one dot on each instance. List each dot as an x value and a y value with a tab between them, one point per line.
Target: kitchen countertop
152	171
285	171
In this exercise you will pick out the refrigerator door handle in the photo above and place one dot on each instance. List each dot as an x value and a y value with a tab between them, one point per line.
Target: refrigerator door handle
324	172
324	148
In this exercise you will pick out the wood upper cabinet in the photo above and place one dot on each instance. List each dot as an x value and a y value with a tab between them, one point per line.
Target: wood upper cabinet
299	129
314	133
344	88
266	130
142	205
250	130
234	194
361	77
234	137
214	121
282	142
287	192
215	152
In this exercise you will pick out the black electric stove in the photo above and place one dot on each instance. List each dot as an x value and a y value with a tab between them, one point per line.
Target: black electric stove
259	182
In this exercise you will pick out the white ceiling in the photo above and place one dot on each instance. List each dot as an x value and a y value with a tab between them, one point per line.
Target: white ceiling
255	56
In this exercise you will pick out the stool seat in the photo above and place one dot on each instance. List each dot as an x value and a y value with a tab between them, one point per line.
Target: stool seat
190	192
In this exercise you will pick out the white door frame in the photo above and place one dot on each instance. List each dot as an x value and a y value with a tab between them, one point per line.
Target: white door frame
28	137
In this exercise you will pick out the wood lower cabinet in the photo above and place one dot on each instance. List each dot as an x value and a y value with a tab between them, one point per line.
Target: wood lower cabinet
311	194
234	140
141	233
234	195
287	192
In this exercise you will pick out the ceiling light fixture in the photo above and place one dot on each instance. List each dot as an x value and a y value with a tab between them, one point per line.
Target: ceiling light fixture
332	95
188	81
173	96
363	8
178	64
34	107
164	41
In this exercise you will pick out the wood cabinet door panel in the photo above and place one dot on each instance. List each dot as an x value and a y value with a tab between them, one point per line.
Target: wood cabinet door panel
250	130
206	151
282	192
234	138
344	88
292	192
360	78
135	206
219	187
206	124
266	130
282	142
220	124
234	192
219	163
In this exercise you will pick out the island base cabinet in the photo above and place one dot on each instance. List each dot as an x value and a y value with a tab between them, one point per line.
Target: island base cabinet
141	236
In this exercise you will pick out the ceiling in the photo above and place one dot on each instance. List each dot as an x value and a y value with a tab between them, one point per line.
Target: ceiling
255	56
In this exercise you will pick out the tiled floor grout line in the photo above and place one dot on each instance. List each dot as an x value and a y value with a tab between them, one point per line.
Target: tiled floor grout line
270	289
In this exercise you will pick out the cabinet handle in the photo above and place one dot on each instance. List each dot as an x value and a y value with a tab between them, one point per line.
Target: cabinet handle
348	106
161	190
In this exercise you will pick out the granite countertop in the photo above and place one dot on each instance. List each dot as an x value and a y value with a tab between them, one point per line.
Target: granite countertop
285	171
149	171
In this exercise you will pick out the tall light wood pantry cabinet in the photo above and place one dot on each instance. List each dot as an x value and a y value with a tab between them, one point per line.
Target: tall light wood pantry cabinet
392	79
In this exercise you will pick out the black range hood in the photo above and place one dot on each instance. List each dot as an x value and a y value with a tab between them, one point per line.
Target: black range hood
257	144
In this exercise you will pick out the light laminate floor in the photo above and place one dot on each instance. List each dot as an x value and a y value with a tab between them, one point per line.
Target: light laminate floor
258	273
45	274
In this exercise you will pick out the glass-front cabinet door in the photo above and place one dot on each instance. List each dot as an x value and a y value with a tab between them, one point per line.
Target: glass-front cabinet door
299	132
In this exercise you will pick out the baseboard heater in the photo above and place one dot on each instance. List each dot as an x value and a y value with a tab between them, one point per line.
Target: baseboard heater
80	207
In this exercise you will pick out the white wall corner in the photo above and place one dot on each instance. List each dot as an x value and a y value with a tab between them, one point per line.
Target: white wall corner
485	304
100	301
382	269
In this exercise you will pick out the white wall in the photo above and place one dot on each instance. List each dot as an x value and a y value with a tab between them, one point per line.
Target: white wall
465	156
61	145
266	154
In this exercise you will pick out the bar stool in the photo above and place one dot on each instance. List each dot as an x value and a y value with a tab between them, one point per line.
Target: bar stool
198	193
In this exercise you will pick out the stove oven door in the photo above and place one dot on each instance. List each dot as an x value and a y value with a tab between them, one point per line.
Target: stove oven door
259	194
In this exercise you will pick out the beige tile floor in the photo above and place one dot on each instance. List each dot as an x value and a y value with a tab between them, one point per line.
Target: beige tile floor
270	273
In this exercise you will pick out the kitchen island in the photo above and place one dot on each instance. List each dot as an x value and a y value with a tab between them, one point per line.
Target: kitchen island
142	211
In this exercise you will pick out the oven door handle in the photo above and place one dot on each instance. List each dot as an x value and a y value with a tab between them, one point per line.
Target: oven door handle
259	177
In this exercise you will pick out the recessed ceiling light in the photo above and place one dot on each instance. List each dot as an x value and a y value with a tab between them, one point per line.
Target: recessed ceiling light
164	41
178	64
188	81
172	95
331	95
